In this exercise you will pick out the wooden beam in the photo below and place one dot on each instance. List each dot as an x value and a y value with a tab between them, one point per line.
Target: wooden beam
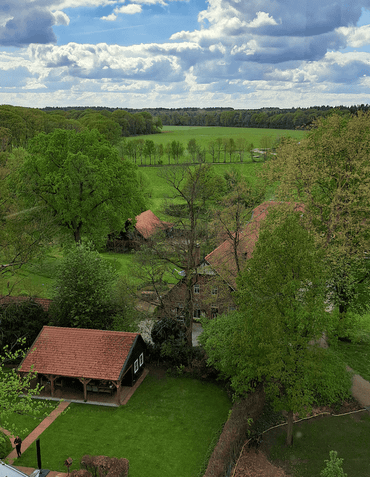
84	382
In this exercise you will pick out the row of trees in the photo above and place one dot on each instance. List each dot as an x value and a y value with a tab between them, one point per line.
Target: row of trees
18	124
145	152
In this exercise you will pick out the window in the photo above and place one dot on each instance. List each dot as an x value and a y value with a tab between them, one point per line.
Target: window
141	359
214	291
197	313
214	312
196	289
136	366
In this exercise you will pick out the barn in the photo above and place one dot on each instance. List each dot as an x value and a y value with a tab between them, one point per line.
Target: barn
90	361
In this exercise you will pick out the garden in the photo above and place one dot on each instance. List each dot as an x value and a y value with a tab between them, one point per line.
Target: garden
168	427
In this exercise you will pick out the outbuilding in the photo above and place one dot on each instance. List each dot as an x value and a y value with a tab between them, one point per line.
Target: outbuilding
99	361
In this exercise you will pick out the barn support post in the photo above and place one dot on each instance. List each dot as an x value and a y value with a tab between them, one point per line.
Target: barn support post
51	378
84	382
118	388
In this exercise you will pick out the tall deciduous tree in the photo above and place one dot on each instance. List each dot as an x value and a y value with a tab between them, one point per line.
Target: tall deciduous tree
193	188
79	178
84	290
273	338
329	170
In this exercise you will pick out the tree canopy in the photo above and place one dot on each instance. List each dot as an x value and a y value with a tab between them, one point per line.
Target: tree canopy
329	170
84	290
273	337
79	178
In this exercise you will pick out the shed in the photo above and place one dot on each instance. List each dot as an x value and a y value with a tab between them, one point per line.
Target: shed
101	360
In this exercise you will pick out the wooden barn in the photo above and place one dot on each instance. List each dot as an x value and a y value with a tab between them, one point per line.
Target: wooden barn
90	361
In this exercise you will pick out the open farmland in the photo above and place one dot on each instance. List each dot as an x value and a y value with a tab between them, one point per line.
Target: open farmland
204	135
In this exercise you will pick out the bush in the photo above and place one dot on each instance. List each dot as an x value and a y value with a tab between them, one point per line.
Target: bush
23	319
169	341
102	466
5	445
333	466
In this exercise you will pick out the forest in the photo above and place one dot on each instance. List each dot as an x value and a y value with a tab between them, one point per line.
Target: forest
271	118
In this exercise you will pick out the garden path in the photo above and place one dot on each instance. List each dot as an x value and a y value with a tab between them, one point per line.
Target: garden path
38	430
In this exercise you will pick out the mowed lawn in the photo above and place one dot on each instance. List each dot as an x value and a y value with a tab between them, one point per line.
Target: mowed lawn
167	429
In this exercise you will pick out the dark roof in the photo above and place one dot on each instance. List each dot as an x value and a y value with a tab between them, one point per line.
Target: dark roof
79	352
222	259
148	223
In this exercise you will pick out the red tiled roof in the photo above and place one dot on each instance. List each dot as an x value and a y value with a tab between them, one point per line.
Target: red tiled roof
222	259
78	352
148	223
7	300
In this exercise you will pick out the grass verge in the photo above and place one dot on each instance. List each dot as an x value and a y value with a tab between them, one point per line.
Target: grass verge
164	430
315	438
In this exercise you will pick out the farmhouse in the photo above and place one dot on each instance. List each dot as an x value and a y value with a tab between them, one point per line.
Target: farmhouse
215	279
146	226
86	360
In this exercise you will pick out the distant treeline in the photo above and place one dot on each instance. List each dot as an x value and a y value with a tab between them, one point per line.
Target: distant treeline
18	124
274	118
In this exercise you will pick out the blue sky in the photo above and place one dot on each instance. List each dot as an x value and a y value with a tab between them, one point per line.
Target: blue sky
184	53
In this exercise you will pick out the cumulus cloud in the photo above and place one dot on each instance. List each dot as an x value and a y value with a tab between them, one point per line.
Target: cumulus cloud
129	9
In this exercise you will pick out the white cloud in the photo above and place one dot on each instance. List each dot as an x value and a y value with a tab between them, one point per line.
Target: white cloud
356	36
111	18
129	9
61	18
262	19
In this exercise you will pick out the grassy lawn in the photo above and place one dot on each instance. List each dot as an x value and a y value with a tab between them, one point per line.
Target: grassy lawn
204	134
313	440
357	353
165	430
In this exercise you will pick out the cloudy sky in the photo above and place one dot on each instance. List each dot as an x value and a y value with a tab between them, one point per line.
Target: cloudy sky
177	53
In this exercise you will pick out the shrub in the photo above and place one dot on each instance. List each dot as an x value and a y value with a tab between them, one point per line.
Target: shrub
5	445
23	319
333	466
102	466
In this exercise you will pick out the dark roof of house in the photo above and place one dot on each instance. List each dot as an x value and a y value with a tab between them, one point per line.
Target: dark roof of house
222	259
79	352
148	223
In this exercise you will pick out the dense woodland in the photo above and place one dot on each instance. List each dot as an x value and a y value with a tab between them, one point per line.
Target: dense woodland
18	124
274	118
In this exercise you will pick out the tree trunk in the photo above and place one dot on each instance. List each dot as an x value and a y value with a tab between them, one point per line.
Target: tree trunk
289	431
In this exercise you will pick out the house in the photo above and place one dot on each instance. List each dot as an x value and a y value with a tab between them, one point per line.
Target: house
7	470
146	226
215	279
96	361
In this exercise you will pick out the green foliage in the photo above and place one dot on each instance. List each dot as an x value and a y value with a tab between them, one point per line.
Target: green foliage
5	445
84	289
329	171
333	466
273	337
21	321
80	180
16	393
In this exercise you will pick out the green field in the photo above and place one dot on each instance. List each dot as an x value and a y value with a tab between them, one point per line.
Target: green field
205	134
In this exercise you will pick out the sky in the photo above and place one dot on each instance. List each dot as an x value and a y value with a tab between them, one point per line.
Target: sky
243	54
